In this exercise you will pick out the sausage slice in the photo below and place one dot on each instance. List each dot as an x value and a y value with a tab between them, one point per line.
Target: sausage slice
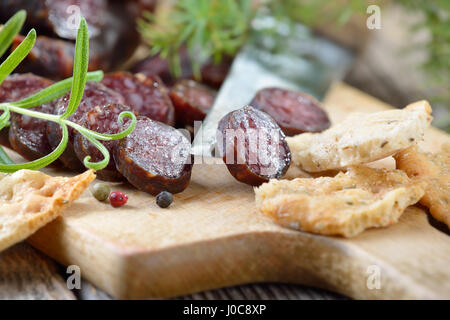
103	120
146	95
294	112
252	146
95	94
155	157
192	101
27	135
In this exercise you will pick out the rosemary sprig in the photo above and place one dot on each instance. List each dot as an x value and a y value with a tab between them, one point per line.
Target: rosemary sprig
76	84
80	67
17	55
4	158
208	28
10	29
54	91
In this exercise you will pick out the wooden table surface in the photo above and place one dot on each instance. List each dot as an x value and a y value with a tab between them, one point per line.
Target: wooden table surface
25	273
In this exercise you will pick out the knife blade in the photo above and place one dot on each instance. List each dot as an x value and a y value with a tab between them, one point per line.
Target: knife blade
290	58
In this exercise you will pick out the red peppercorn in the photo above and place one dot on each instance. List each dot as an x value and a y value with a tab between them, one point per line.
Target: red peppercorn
118	198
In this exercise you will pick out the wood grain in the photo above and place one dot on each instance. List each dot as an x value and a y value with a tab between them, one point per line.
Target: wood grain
213	237
27	274
263	291
259	291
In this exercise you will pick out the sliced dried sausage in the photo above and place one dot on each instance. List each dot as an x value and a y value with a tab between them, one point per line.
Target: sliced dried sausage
252	146
103	120
192	101
214	74
155	157
55	15
53	58
147	95
95	94
294	112
156	65
18	86
26	135
59	16
49	57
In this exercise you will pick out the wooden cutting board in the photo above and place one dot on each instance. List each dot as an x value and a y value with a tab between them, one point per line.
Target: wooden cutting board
212	236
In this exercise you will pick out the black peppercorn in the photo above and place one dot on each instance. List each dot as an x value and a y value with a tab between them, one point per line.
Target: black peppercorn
164	199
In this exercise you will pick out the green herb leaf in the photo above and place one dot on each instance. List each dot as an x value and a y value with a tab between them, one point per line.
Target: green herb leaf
97	165
44	161
17	55
80	68
208	29
10	29
54	91
109	137
4	119
4	158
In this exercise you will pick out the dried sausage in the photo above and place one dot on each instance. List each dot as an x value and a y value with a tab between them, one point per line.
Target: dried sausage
192	101
147	95
53	15
53	58
156	65
14	88
26	135
155	157
59	16
95	94
103	120
49	57
294	112
212	74
252	146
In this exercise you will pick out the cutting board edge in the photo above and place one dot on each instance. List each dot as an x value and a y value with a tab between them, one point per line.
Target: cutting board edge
321	262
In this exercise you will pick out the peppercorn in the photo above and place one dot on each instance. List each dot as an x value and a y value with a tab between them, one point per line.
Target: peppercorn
164	199
100	191
118	198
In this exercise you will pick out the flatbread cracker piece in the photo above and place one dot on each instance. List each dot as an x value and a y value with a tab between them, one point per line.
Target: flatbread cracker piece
31	199
345	205
435	169
361	138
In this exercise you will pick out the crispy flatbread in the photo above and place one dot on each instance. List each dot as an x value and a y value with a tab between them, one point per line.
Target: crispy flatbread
361	138
31	199
435	169
345	205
